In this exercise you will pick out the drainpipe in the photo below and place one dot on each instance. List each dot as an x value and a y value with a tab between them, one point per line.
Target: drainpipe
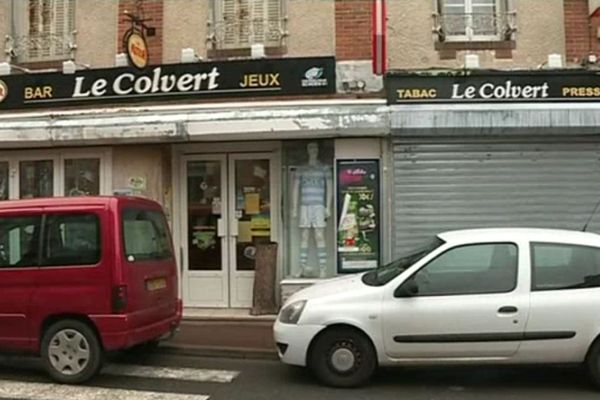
379	37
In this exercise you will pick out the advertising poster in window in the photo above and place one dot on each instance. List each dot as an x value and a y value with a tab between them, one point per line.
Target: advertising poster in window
358	235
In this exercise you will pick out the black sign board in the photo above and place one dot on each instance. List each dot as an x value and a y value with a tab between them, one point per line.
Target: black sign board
172	82
483	86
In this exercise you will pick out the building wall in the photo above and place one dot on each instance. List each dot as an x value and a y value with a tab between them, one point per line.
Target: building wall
4	20
311	27
96	24
411	44
147	161
152	10
187	27
353	29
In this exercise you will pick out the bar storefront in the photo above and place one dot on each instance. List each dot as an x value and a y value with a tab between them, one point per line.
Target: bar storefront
240	153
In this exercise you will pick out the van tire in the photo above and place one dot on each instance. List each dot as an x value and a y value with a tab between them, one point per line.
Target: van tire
71	352
343	357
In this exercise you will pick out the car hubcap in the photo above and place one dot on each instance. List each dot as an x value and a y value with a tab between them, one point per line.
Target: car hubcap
69	352
343	360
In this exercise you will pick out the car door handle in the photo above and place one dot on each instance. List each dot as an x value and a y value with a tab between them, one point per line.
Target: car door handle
508	310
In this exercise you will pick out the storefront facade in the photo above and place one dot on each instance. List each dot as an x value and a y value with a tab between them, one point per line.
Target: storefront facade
231	176
493	149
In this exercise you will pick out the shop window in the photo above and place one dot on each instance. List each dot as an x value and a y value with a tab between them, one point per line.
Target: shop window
309	209
44	29
36	179
82	177
4	182
238	24
474	20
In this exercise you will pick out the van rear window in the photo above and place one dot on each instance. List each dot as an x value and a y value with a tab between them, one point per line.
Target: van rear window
146	235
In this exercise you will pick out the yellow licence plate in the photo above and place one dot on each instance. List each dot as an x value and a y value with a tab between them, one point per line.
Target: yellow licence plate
156	284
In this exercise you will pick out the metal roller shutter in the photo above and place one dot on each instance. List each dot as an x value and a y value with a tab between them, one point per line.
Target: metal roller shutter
440	187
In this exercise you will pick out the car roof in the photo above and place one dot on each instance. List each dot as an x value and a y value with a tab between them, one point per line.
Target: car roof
513	234
73	201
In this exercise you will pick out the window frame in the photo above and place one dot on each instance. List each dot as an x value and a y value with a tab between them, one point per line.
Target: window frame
501	6
58	157
23	38
533	287
44	231
218	18
514	287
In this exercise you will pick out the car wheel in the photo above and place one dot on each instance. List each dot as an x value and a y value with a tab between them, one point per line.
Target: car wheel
343	357
71	352
593	364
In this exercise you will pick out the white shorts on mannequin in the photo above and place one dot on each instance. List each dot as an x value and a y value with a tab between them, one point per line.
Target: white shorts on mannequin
312	217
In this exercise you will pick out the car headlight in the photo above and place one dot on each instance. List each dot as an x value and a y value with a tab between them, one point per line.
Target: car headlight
291	313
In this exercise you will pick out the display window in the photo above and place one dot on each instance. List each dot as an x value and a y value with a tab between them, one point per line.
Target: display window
48	173
309	208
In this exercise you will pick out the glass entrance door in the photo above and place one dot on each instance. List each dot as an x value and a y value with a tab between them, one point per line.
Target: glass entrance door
250	219
228	213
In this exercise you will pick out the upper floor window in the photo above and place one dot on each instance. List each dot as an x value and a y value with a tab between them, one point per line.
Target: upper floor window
43	29
239	24
474	20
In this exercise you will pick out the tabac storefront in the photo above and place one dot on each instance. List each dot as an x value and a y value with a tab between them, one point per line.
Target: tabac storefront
493	149
240	153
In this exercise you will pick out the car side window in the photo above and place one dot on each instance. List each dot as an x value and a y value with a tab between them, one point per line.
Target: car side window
563	266
71	239
19	241
471	269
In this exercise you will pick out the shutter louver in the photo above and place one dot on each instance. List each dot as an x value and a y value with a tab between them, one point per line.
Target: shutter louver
50	25
273	25
246	22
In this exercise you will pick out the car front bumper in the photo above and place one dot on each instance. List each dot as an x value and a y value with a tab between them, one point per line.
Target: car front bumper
293	341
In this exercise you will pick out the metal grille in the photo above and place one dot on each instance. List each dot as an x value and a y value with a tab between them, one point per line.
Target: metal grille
440	187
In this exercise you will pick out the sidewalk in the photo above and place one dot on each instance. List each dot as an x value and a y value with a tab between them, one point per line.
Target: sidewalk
224	333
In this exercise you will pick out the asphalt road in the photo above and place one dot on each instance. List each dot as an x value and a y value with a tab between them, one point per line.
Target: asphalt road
175	377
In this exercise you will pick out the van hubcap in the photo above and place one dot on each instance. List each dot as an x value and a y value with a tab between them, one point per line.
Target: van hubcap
343	359
69	352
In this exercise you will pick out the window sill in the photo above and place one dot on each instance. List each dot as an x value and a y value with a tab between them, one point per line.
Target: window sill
476	45
33	65
216	54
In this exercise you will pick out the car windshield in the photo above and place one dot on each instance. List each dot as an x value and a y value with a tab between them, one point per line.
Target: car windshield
385	273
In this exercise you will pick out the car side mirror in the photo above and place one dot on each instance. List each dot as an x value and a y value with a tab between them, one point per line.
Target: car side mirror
407	289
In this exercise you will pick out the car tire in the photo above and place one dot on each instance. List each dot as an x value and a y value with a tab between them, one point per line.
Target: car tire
593	364
71	352
343	357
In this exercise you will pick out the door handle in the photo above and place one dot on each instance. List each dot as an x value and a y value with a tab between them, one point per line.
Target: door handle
508	310
234	231
221	227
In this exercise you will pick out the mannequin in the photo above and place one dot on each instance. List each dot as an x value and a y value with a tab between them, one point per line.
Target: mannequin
311	198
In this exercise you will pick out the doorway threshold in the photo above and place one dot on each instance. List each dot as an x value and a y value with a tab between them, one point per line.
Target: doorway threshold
224	314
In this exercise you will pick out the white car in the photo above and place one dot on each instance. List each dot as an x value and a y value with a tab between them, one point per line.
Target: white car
502	296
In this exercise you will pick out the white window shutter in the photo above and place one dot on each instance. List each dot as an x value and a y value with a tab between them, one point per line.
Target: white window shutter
274	21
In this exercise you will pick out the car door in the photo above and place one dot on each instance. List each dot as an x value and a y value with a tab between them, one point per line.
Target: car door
19	245
469	305
565	299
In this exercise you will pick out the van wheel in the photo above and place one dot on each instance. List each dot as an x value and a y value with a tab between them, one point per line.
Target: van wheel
343	357
71	352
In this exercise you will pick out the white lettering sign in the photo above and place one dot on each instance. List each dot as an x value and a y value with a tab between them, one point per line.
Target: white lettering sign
505	91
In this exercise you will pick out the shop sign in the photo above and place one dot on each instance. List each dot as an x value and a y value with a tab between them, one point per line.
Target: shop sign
358	235
492	87
137	50
172	82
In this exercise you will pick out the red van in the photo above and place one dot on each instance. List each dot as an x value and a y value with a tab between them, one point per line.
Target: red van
81	276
